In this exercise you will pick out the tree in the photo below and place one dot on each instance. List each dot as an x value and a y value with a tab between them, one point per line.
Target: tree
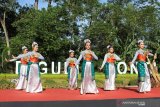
36	4
65	26
55	28
49	2
52	37
121	24
5	7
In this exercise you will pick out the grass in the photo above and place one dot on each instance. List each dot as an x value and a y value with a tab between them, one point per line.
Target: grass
60	81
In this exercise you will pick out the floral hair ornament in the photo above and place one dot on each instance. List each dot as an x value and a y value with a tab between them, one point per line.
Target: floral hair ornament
34	43
109	46
24	47
87	41
140	41
71	51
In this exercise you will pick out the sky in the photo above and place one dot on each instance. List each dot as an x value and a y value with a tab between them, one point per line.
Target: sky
41	4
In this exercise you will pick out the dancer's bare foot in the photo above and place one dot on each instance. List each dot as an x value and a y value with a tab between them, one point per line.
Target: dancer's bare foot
83	94
71	88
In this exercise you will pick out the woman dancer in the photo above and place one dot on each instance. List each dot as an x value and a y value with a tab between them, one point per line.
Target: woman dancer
33	75
110	68
22	70
72	70
143	72
88	84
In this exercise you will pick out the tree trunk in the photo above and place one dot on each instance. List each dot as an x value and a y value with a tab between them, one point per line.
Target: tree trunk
3	23
36	4
49	3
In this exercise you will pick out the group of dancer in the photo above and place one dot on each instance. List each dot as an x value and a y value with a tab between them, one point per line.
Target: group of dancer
29	73
29	70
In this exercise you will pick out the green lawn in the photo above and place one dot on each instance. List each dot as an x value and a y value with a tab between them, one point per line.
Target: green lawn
60	81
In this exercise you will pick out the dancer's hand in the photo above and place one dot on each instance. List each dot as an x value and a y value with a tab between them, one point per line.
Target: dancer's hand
112	55
13	57
155	56
100	68
91	52
36	55
26	59
6	60
147	52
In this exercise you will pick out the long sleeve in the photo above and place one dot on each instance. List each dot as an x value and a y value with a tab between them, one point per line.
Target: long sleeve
117	57
75	61
94	56
80	58
40	56
12	60
104	61
135	57
30	54
25	55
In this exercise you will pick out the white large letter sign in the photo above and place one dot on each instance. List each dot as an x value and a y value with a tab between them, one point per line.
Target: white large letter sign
40	63
59	68
44	69
133	68
125	67
65	68
17	63
56	69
